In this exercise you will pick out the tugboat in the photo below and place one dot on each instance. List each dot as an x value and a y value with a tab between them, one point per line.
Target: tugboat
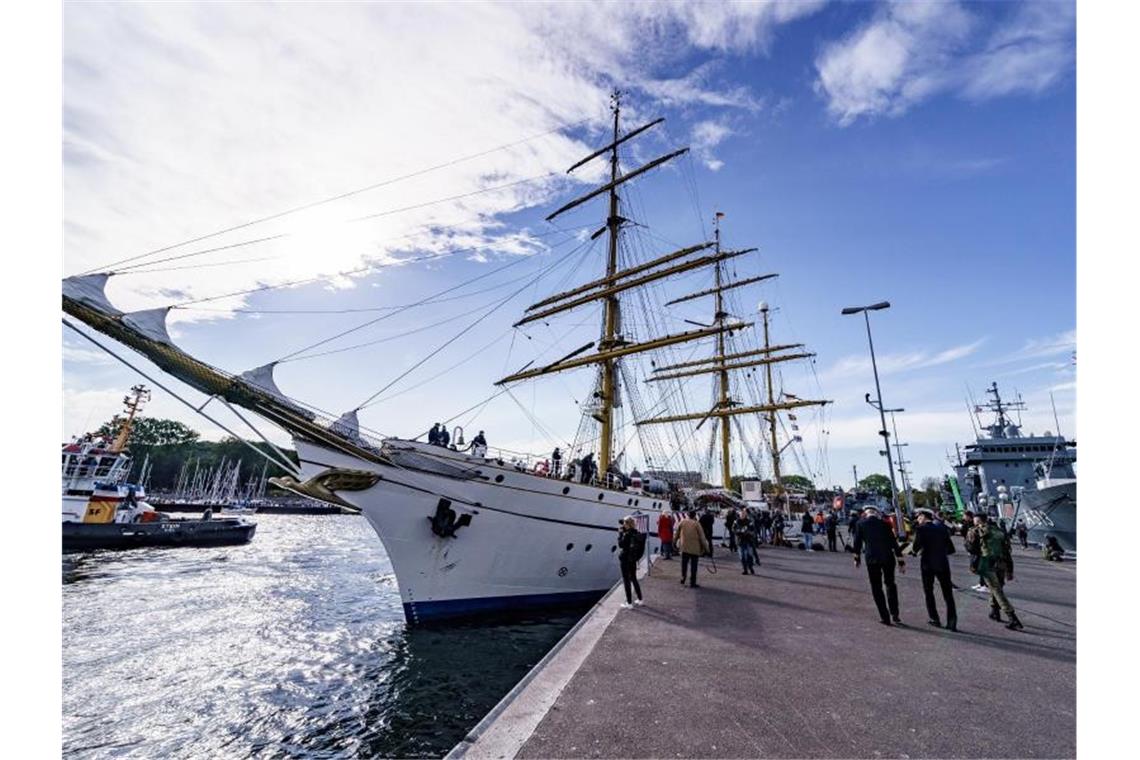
103	511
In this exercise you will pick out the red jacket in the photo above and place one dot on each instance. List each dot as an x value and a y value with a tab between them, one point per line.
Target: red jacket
665	527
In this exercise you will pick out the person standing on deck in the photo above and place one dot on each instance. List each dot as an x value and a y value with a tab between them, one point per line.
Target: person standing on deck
995	565
433	435
707	521
665	525
933	543
805	529
588	468
479	445
444	436
631	548
556	462
689	538
877	542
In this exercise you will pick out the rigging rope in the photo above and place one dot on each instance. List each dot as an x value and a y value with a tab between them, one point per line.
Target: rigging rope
342	196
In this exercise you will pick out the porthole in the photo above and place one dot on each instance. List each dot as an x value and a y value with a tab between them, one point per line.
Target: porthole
635	502
613	549
589	547
569	547
565	490
601	496
498	478
629	502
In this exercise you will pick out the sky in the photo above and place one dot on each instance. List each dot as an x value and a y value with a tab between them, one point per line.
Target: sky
922	154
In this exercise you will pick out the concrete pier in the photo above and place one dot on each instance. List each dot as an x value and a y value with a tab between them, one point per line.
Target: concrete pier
793	662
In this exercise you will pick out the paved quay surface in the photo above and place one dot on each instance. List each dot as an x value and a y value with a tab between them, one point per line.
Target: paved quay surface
793	662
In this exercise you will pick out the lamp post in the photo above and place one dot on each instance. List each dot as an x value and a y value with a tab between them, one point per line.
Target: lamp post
879	393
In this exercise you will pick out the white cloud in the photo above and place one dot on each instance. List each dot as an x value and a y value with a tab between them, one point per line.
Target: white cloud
1064	342
706	136
908	52
181	119
860	364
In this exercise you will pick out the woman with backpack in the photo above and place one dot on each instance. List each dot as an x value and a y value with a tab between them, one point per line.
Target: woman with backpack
631	546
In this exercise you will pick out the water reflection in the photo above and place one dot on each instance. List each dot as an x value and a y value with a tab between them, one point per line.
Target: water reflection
292	646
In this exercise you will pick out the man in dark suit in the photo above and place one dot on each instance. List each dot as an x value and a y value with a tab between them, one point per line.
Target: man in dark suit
933	543
875	540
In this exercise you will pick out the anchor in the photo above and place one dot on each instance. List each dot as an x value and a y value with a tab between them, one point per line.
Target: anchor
445	523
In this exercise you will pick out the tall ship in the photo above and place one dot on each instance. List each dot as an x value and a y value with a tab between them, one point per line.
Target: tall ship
472	530
1018	477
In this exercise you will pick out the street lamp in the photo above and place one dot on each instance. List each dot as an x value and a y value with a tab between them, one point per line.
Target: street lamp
882	415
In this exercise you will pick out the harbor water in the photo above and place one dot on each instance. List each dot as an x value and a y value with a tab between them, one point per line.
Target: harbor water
291	646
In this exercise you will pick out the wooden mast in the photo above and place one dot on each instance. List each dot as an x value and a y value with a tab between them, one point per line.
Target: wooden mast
776	483
605	414
725	433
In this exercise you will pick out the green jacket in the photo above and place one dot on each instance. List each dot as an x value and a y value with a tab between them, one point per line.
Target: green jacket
992	546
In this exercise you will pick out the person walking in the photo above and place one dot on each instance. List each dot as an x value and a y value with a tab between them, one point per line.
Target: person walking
995	565
1023	534
689	538
707	521
832	526
556	462
875	541
746	538
665	525
631	548
729	522
932	542
852	521
805	529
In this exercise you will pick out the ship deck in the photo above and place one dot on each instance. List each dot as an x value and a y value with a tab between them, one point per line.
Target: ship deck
793	662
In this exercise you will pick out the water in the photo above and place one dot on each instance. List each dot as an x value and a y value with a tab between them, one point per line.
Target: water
291	646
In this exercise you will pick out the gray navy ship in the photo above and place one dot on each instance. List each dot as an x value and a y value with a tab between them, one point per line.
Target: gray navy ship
1018	477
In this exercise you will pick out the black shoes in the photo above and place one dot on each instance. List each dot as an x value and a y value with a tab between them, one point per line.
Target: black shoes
885	622
952	626
1014	623
995	615
934	623
896	620
694	585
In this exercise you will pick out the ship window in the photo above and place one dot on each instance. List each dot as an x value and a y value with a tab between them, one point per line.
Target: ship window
613	549
565	490
589	547
629	502
498	478
635	502
569	547
601	496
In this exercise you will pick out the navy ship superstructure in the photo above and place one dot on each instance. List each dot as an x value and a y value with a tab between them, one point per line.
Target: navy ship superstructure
1017	477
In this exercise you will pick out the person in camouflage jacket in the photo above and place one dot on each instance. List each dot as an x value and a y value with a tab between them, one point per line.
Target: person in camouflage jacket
995	565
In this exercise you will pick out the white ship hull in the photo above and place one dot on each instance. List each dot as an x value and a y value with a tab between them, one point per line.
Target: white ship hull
533	541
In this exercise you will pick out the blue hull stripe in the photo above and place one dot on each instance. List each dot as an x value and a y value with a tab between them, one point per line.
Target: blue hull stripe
421	612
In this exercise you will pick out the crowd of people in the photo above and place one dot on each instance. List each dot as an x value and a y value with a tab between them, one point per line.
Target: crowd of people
876	545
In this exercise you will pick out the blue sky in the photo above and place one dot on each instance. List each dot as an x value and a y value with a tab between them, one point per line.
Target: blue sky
922	154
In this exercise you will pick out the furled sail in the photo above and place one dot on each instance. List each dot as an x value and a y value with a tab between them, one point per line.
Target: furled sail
151	323
88	289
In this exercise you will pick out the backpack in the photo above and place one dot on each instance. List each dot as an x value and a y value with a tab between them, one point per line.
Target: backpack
638	546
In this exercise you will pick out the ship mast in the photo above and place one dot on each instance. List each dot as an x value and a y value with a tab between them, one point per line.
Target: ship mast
605	413
725	433
777	484
133	403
